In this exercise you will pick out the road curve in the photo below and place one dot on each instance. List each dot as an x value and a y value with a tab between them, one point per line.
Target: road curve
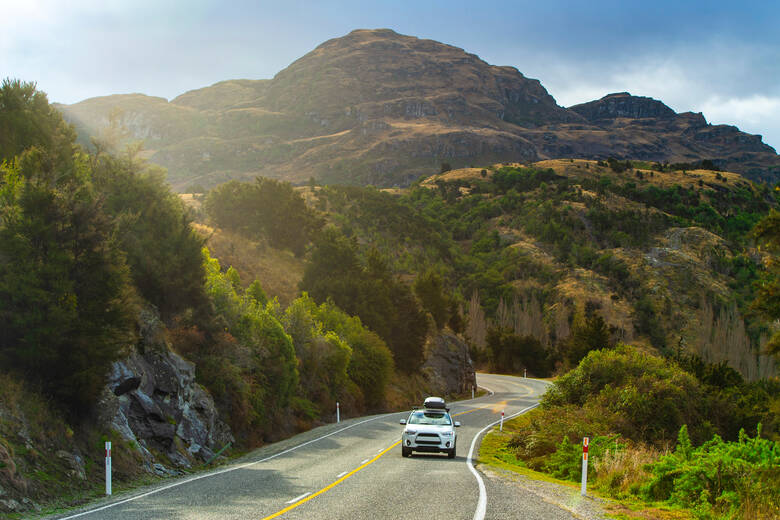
351	470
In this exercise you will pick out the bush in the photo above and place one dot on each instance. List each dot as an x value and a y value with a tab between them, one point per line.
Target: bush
647	398
736	479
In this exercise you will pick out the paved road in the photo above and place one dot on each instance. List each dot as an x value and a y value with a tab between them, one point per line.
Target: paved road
352	470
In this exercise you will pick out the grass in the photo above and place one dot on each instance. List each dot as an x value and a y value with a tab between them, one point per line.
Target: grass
495	452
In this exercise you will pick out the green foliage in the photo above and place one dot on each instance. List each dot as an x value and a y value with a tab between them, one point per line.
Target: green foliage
509	353
371	363
255	290
566	462
429	289
323	355
588	333
522	179
626	402
65	300
368	289
272	365
153	229
266	209
767	301
27	120
734	479
646	398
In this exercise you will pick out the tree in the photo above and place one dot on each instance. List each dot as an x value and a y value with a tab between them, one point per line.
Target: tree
368	289
429	289
27	120
266	209
153	228
767	301
589	333
65	299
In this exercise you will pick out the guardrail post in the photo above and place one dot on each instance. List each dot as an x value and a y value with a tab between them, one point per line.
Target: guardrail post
584	489
108	468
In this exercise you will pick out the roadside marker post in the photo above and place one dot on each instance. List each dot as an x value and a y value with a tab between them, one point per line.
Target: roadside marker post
525	373
501	427
338	414
472	391
108	468
584	490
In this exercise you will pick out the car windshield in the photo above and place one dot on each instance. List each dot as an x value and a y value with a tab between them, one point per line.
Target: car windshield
425	417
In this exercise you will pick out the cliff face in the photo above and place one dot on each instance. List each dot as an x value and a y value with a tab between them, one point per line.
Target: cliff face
377	107
152	401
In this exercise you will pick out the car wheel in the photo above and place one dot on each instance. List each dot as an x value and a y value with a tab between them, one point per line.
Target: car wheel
405	452
451	453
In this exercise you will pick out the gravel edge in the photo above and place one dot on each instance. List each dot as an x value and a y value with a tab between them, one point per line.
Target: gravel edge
567	498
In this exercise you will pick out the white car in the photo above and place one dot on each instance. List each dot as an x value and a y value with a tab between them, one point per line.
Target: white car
429	430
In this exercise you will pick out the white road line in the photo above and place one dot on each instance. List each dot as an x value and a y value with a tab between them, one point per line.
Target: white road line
220	472
298	498
479	514
339	475
365	461
486	388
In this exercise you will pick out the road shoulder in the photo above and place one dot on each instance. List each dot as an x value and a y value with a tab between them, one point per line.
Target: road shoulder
566	498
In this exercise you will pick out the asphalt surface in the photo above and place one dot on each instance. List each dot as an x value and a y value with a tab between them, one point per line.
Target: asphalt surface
351	470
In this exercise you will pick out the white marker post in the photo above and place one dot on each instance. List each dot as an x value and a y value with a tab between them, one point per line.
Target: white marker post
501	427
525	373
338	414
472	391
584	466
108	468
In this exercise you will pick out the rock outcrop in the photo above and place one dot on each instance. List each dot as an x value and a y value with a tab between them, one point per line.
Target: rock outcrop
448	366
153	401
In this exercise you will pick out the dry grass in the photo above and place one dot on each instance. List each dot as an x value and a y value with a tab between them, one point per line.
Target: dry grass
621	472
279	272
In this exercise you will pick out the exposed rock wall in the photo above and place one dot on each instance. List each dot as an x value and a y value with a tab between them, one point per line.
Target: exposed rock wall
448	365
152	399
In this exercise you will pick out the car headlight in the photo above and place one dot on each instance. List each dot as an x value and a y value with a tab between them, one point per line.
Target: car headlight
411	432
446	434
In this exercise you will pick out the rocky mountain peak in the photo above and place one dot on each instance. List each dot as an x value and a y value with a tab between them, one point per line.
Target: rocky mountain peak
623	104
378	107
382	73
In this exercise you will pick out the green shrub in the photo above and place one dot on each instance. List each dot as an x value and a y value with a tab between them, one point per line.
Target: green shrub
720	478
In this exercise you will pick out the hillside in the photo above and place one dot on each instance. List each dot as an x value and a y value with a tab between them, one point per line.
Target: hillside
659	254
376	107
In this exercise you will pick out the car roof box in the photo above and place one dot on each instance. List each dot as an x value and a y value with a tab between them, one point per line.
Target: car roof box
436	403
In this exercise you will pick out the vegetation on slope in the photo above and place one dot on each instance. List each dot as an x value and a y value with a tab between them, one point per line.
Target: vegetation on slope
89	239
726	459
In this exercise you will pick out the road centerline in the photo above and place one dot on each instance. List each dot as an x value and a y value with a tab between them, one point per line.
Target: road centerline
332	484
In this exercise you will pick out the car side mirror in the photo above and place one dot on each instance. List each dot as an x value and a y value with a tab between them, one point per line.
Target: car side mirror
457	424
402	421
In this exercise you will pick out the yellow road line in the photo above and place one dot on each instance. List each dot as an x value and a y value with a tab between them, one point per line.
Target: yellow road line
345	477
332	485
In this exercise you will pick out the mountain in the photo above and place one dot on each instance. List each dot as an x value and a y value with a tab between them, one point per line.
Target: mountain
377	107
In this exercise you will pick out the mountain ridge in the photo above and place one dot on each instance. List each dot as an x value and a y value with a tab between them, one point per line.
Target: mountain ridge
377	107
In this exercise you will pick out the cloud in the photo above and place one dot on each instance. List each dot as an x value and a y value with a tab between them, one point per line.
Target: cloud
719	82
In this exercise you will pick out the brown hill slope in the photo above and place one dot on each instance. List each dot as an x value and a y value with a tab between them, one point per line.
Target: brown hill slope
377	107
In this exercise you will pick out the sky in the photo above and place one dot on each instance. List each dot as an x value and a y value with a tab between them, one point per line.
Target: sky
715	57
